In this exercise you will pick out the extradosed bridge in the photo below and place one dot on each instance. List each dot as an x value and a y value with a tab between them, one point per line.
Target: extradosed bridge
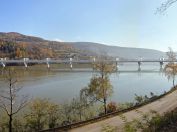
71	61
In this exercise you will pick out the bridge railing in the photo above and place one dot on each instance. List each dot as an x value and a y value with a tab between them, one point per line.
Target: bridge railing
81	61
48	61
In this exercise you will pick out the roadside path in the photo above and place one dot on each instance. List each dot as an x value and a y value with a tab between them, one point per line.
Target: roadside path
162	105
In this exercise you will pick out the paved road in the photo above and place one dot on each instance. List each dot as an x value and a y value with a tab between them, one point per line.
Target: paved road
165	104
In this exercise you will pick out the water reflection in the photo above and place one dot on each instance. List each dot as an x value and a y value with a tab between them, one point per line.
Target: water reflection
61	86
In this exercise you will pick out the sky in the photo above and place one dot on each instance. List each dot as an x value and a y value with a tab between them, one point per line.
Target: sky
126	23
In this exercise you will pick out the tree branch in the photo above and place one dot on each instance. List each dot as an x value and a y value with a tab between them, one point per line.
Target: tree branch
3	106
164	6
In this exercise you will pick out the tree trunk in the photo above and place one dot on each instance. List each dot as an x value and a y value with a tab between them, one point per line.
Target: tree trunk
80	114
105	109
173	82
10	123
11	106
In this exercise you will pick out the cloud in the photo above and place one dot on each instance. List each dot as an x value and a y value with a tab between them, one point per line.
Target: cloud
58	40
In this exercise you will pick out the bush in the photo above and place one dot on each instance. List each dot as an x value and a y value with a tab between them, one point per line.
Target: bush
111	107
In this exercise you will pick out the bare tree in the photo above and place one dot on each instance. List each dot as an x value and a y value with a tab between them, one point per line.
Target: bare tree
171	55
171	68
10	101
171	72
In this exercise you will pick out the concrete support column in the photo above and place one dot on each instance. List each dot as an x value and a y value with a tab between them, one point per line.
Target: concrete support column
161	63
93	64
70	62
117	66
25	62
47	62
139	64
2	62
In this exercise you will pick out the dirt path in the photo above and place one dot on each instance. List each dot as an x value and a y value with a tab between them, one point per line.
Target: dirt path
165	104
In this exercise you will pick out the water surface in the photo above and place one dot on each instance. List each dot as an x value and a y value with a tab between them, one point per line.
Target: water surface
62	86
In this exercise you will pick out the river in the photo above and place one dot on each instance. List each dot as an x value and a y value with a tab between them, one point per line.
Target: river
62	86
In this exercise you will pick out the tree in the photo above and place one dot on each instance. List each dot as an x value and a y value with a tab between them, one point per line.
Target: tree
79	106
36	119
171	72
9	99
171	68
42	114
76	110
100	88
66	114
53	115
164	6
171	55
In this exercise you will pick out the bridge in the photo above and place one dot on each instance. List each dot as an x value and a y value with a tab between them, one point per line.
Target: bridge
71	61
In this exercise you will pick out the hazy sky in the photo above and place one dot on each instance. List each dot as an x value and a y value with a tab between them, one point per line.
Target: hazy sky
130	23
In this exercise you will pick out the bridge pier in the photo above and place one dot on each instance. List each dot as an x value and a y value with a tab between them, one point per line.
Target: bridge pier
70	62
139	65
3	63
117	67
47	62
25	62
93	64
161	63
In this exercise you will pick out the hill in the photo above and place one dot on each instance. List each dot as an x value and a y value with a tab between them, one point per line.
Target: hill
122	52
16	45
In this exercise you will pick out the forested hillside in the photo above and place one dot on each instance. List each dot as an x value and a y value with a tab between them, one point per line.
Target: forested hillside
17	46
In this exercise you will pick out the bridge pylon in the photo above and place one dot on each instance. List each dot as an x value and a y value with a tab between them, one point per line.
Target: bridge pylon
47	62
93	64
70	62
139	64
25	62
117	66
161	63
2	62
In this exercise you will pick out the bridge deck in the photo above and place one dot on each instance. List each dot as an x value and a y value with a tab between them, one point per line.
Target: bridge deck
78	61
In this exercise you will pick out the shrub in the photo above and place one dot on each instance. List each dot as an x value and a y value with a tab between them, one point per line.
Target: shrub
111	107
